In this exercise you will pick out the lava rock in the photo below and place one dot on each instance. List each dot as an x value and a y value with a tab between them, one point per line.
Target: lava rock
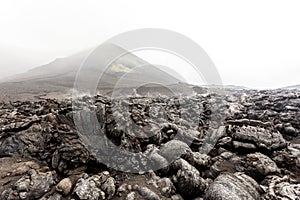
257	165
229	186
187	179
281	188
33	186
100	186
64	186
262	138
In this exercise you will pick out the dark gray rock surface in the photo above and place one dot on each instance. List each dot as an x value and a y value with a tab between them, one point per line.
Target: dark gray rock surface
244	145
233	186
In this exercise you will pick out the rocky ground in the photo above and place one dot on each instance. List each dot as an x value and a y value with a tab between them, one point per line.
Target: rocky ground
243	145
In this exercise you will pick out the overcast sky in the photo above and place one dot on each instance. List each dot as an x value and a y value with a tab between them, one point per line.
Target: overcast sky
252	43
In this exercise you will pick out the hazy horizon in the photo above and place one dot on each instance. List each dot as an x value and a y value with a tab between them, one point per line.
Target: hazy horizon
254	44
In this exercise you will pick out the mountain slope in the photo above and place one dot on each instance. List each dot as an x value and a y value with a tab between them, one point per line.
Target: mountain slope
292	87
58	77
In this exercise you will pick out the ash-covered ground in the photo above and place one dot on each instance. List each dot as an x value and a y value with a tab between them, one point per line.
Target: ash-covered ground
242	145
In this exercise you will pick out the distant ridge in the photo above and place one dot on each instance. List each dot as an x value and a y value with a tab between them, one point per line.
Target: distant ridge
228	87
292	87
57	78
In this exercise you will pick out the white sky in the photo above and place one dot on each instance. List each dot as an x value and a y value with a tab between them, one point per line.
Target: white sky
253	43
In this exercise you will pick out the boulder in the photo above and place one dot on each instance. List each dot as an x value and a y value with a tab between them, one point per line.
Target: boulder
228	186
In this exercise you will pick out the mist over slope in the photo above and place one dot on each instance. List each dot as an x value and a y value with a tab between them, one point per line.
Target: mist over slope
292	87
57	78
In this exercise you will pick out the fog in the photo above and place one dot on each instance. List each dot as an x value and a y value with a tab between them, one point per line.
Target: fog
254	44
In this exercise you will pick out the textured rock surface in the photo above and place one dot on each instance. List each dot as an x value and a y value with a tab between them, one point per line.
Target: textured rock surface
100	186
64	186
188	179
257	165
233	186
251	152
281	188
32	186
255	137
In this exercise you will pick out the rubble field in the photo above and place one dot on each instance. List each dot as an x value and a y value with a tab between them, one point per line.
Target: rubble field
239	145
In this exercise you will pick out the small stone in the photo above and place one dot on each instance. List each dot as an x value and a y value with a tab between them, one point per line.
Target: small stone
131	196
23	195
64	186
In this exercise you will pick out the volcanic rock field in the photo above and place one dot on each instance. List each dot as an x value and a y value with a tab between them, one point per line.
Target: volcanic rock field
237	145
